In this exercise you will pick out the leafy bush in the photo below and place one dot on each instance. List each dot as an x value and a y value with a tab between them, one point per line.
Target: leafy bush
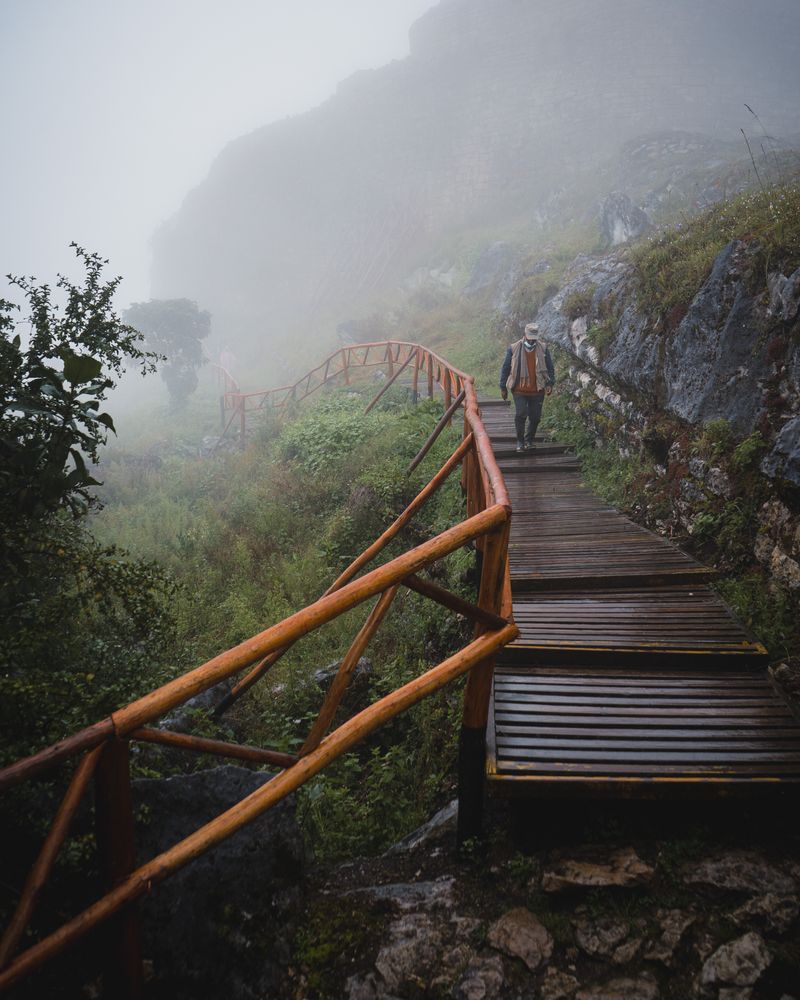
578	303
747	453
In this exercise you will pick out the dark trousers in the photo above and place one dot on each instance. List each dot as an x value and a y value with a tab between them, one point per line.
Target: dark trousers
527	408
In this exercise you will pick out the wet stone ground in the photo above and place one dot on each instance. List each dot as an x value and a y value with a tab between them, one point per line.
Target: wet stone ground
589	902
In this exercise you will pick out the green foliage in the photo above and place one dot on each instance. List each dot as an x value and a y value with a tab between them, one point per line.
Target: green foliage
578	303
671	267
255	536
174	328
748	452
51	388
601	335
766	609
85	629
715	440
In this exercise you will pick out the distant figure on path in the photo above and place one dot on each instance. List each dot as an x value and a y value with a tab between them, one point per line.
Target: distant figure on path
529	373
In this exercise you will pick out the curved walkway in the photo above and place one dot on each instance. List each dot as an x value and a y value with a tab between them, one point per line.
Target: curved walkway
630	675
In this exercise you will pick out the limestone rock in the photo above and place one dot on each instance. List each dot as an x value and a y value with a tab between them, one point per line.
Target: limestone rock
737	963
621	220
601	937
412	895
558	985
627	951
642	988
785	569
441	823
674	923
784	460
776	913
518	933
483	979
623	868
414	944
739	870
204	927
784	295
718	482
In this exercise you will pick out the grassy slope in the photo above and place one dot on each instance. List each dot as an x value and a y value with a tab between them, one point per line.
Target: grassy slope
253	537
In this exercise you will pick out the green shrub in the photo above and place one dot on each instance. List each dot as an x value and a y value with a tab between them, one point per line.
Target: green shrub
578	303
670	267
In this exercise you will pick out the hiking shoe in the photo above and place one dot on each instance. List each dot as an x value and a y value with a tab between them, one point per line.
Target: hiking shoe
529	446
520	446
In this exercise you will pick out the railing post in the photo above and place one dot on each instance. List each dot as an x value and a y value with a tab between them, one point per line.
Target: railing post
415	382
389	360
122	954
241	421
346	366
430	376
472	741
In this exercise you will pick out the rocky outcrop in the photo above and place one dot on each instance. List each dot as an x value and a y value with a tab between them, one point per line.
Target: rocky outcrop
621	221
223	925
498	105
474	932
729	357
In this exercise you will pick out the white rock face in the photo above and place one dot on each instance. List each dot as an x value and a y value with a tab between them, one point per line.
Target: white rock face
518	933
738	963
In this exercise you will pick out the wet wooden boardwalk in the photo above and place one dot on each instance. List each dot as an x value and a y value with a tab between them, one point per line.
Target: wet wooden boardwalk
630	676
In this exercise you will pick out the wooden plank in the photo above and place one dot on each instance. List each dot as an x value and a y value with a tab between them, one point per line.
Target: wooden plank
629	673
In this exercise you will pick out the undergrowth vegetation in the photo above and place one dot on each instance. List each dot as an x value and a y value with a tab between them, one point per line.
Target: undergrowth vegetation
671	266
252	537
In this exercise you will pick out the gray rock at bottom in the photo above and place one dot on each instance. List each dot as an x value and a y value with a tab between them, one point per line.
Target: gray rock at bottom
623	867
776	913
518	933
737	963
222	925
483	980
601	937
740	870
673	925
783	462
558	985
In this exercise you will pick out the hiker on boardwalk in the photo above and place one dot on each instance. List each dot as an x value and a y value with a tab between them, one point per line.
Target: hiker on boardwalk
529	373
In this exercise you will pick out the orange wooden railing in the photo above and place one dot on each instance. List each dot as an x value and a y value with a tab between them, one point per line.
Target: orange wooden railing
342	365
101	751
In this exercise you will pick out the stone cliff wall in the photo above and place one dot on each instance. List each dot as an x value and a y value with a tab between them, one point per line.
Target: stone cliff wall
498	102
713	402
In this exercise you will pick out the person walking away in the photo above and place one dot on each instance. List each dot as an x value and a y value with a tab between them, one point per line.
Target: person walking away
529	373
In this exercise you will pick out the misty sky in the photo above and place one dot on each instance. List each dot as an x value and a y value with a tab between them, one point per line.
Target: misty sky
112	110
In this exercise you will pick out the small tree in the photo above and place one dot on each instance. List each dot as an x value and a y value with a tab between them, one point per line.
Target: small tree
51	388
174	328
84	627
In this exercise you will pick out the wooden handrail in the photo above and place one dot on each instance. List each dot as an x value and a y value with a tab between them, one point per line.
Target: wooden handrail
486	524
346	669
437	430
200	744
355	566
332	747
47	856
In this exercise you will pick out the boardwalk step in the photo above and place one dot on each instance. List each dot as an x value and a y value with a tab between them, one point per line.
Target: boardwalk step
629	676
618	726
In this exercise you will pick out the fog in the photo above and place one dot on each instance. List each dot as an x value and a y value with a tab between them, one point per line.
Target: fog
114	111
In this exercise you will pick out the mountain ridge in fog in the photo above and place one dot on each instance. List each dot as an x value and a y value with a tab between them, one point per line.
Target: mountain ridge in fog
498	103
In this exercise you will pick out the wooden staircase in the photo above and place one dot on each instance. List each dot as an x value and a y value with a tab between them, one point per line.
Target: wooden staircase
630	676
